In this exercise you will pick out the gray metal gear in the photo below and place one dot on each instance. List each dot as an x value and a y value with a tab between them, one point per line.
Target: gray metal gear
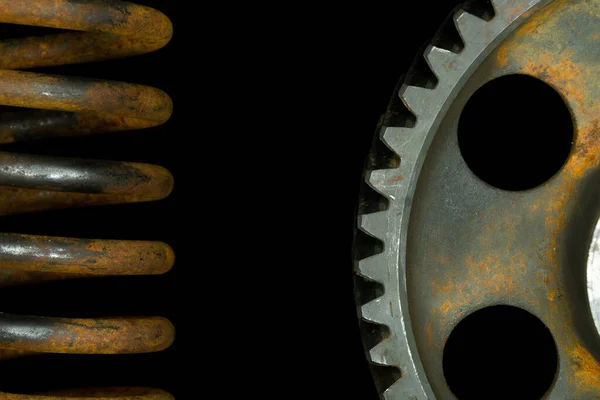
399	223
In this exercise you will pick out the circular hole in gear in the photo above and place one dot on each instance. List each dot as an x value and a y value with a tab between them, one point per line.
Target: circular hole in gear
515	132
500	352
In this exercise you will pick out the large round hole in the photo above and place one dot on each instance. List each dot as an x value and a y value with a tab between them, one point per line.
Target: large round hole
515	132
500	352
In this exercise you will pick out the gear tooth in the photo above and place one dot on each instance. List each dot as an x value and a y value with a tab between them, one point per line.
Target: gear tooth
375	224
371	267
383	353
500	4
400	390
397	138
406	142
440	60
394	391
386	180
374	311
416	99
470	27
376	177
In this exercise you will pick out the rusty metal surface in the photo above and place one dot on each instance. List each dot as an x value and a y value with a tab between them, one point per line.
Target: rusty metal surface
97	394
83	176
16	200
118	29
471	245
85	336
62	106
14	277
84	256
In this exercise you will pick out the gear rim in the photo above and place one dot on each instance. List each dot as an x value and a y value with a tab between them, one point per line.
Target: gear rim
388	308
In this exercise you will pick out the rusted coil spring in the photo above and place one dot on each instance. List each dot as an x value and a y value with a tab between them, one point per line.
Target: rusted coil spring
66	106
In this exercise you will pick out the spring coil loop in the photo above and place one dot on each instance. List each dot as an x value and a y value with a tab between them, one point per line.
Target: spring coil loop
100	30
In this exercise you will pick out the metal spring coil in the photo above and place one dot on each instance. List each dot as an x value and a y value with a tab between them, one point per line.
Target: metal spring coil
99	30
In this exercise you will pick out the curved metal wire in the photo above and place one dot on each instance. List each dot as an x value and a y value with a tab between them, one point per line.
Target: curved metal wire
61	106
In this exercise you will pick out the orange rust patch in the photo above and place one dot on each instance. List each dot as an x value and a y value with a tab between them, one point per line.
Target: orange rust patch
502	57
449	65
446	306
543	18
586	370
446	288
396	179
552	292
429	333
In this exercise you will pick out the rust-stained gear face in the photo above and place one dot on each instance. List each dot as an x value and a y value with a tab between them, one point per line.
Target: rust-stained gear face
443	243
61	106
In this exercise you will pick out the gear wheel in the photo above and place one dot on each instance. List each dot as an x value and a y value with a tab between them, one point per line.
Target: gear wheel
435	243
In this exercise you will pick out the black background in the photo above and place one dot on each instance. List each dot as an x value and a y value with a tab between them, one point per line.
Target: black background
154	295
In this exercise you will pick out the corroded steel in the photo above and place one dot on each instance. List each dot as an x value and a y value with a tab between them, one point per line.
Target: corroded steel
97	394
85	336
84	256
439	243
117	29
529	247
62	106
